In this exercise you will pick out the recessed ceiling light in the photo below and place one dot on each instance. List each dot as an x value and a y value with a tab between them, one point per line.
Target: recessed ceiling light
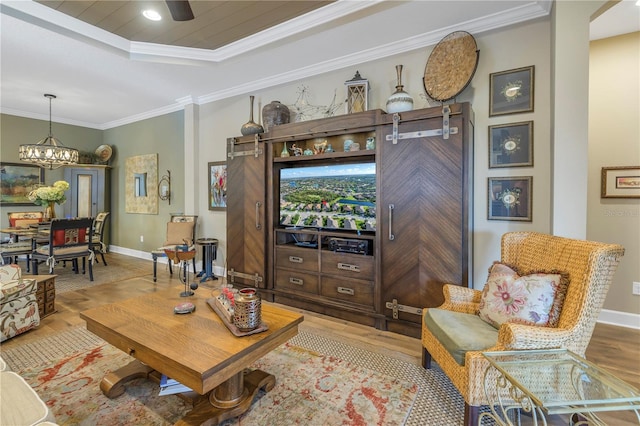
152	15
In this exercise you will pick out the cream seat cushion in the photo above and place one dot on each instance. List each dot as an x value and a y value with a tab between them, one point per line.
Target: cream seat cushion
20	404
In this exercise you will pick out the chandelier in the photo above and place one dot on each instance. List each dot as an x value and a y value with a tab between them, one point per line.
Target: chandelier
49	153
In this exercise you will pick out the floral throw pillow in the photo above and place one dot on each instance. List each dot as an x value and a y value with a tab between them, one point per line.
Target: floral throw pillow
533	299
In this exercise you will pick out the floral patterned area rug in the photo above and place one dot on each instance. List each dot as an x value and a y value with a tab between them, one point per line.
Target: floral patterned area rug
311	387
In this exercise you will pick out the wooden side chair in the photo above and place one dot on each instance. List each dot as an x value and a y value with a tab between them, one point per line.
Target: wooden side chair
69	239
19	246
97	242
181	230
574	275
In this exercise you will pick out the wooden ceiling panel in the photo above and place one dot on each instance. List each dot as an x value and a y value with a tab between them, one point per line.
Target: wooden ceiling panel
216	23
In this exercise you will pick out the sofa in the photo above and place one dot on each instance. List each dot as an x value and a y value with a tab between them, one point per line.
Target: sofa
19	403
18	302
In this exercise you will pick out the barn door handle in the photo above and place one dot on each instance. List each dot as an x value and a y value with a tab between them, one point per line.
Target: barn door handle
258	204
391	236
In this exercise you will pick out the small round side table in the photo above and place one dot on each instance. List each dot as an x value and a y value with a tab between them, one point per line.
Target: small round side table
209	252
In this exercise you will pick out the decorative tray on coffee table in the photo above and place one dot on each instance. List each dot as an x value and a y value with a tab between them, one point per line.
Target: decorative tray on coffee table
228	321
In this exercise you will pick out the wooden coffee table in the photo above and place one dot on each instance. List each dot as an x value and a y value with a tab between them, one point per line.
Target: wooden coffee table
195	349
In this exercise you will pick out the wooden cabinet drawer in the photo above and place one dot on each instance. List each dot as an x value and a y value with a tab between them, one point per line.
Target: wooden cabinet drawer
51	294
294	280
40	299
348	265
50	284
348	290
297	258
50	307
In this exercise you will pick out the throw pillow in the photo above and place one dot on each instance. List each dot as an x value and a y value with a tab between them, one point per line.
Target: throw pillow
177	232
533	299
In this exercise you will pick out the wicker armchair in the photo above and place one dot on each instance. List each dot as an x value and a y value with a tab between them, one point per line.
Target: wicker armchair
590	266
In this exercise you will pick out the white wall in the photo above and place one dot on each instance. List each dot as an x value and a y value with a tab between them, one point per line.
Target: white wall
614	140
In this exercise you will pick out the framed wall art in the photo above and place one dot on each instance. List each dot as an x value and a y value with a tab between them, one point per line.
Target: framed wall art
218	185
511	92
16	181
510	198
511	145
620	182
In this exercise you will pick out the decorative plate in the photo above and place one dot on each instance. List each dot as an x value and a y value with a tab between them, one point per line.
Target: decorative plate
104	153
451	66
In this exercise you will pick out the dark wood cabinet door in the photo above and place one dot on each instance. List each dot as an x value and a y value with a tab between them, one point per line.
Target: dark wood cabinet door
423	214
246	226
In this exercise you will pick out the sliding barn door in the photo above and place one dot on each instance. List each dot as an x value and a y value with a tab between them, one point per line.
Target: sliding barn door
246	227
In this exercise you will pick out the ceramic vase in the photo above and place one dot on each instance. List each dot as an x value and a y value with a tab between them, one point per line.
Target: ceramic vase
274	114
251	127
400	100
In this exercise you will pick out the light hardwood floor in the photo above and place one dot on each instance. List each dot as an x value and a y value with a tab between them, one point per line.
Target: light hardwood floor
615	348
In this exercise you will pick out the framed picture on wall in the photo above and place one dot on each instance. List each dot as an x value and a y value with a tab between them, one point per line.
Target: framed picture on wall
218	185
511	145
511	92
16	181
620	182
510	198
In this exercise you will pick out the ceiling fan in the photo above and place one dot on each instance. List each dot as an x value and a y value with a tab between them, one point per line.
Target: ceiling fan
180	10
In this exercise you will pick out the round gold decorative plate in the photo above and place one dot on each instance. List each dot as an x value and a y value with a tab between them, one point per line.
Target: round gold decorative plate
451	66
104	153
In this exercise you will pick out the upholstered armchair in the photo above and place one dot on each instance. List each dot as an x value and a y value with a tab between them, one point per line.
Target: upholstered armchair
570	278
181	230
18	302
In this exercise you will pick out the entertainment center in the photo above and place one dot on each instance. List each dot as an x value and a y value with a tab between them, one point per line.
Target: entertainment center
362	216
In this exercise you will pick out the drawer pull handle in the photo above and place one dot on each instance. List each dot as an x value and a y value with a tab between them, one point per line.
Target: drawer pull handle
295	259
296	281
346	290
131	351
348	267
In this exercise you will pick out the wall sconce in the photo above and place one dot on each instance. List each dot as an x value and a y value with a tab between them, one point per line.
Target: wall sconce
164	187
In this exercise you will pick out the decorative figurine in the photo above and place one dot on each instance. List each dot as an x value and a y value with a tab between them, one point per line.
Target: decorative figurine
296	151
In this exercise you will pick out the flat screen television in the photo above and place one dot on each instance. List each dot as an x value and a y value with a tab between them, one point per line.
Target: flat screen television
335	197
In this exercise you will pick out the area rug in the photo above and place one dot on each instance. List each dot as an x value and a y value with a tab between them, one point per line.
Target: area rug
67	280
319	381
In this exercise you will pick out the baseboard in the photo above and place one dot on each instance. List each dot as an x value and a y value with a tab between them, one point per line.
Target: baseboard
145	255
621	319
618	318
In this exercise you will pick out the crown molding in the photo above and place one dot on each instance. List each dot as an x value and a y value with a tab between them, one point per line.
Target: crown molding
46	17
476	26
45	117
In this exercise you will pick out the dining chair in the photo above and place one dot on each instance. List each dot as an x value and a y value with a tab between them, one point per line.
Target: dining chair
68	239
97	242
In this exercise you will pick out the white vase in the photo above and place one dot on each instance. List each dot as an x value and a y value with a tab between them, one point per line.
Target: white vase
400	100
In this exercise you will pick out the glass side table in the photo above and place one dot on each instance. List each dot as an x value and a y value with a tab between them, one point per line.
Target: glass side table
549	382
